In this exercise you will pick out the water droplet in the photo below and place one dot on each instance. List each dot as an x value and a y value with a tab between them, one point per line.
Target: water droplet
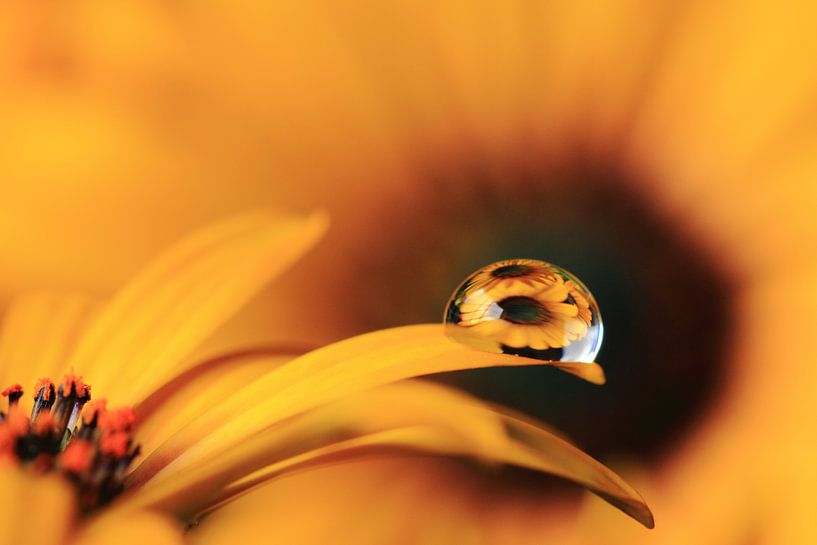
526	307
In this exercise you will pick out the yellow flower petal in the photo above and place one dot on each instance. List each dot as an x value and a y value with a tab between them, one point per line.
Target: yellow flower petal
409	415
565	309
365	502
734	105
319	377
192	393
126	527
555	293
141	337
591	372
39	331
516	337
33	509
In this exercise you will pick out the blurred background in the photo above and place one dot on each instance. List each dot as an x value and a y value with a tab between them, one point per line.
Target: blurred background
664	152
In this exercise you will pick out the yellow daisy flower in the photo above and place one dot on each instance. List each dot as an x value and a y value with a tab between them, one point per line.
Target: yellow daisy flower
193	436
675	137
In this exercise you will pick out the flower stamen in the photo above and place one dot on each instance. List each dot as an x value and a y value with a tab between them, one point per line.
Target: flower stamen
72	395
14	393
44	397
92	446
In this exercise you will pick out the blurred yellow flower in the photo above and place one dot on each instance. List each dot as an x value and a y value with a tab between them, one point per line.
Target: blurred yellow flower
674	139
211	431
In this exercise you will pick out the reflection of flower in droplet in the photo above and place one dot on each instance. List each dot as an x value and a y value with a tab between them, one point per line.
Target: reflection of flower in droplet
538	319
514	277
581	302
521	303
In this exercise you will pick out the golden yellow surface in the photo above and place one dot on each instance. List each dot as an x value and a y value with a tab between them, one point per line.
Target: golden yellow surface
125	124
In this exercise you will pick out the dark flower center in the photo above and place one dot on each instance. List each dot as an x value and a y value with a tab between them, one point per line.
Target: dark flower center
648	273
510	271
523	310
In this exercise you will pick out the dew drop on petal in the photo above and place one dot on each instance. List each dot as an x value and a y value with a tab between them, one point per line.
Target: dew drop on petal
526	307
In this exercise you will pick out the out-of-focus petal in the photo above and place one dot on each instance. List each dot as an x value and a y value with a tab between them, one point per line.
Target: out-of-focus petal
734	84
367	502
124	527
408	415
39	331
140	338
321	376
33	509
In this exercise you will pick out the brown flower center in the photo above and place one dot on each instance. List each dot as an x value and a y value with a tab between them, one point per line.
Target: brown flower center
524	311
511	271
655	280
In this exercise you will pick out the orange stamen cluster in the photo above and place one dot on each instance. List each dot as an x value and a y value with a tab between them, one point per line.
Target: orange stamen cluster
66	432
